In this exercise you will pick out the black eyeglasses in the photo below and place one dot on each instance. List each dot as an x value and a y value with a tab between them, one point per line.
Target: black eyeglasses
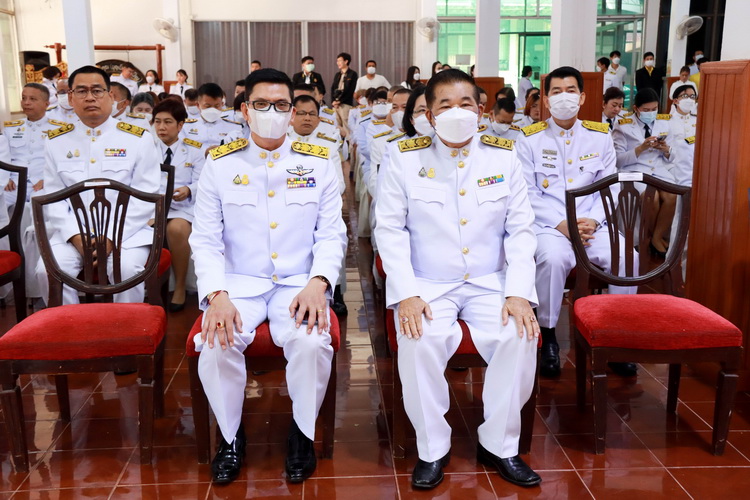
81	93
683	96
280	106
305	113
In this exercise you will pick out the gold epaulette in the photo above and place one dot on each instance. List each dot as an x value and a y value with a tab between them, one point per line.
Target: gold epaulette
60	131
394	137
231	121
414	143
228	148
664	116
624	121
690	140
51	107
306	148
326	120
16	123
131	129
498	142
57	123
328	111
136	115
381	134
482	128
191	120
485	115
534	128
365	113
321	135
193	143
515	127
629	113
378	122
596	126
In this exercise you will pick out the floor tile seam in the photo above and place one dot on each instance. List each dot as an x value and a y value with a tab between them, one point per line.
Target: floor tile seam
557	441
578	474
710	467
169	384
680	484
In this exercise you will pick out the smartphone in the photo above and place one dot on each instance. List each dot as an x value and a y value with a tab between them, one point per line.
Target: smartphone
661	138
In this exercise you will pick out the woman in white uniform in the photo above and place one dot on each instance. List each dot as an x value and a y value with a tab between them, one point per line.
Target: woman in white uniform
153	83
182	85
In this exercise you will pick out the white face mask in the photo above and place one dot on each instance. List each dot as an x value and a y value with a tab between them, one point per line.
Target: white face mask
615	60
398	119
210	114
371	70
148	116
423	126
362	101
309	67
380	110
62	100
238	117
564	106
649	63
193	110
150	79
417	76
686	105
115	110
457	125
699	56
269	124
647	117
597	69
500	128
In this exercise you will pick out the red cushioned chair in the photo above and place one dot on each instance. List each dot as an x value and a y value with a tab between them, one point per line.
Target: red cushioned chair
159	292
645	328
12	261
92	337
261	355
466	356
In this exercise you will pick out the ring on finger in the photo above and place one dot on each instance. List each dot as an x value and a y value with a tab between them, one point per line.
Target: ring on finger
532	319
321	310
404	319
220	325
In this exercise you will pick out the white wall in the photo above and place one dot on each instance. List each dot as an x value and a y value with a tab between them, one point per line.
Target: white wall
734	44
322	10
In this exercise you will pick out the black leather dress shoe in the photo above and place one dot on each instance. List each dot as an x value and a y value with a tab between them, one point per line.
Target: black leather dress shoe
300	455
338	306
549	363
228	460
176	307
512	469
427	475
624	369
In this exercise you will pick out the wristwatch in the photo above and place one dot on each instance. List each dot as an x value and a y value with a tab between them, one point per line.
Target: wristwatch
324	279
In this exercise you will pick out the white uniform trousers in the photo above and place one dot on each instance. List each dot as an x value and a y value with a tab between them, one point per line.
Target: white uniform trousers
223	373
132	262
508	381
554	261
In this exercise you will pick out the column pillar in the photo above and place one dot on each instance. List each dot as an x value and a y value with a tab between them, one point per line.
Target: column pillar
487	48
173	50
425	50
734	43
79	35
676	48
573	35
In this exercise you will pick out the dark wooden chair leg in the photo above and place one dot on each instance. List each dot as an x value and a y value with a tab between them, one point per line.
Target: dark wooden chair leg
673	387
63	399
12	406
399	413
528	412
725	392
328	412
200	413
599	383
159	381
19	295
146	367
581	369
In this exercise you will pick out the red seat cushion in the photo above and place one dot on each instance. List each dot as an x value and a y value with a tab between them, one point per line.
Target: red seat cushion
9	261
165	261
262	345
86	331
654	322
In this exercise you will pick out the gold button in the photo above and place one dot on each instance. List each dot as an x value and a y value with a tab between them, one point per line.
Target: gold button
570	180
274	255
274	225
465	152
461	164
276	156
93	160
562	133
570	161
463	222
466	276
93	139
263	155
567	141
462	191
454	153
275	278
465	250
271	193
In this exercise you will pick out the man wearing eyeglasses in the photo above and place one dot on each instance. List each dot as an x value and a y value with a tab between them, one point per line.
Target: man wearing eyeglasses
98	147
268	240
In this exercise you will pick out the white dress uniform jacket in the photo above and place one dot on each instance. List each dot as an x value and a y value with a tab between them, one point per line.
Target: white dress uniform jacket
132	85
188	159
333	143
211	133
177	89
683	142
136	119
155	88
52	88
512	133
61	114
618	76
630	133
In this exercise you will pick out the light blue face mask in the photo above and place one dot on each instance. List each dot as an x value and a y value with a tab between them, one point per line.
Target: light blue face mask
647	117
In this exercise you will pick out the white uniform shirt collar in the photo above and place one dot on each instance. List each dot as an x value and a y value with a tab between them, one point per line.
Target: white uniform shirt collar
444	151
558	130
101	129
277	154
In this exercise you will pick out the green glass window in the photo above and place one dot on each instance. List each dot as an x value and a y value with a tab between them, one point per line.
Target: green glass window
620	7
456	8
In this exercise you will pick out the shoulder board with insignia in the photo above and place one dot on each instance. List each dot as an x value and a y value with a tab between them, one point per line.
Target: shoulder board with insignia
310	149
485	115
381	134
690	140
56	122
414	144
378	122
51	107
191	120
131	129
60	131
482	128
328	111
534	128
663	116
515	127
629	113
321	135
394	137
498	142
15	123
326	120
231	121
228	109
596	126
136	115
228	148
365	113
193	143
624	121
360	106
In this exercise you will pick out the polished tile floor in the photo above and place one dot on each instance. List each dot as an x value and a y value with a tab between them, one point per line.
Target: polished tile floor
649	454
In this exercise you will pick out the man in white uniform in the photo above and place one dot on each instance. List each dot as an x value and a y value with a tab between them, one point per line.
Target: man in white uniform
456	239
503	114
97	147
210	128
62	111
618	72
126	78
267	241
